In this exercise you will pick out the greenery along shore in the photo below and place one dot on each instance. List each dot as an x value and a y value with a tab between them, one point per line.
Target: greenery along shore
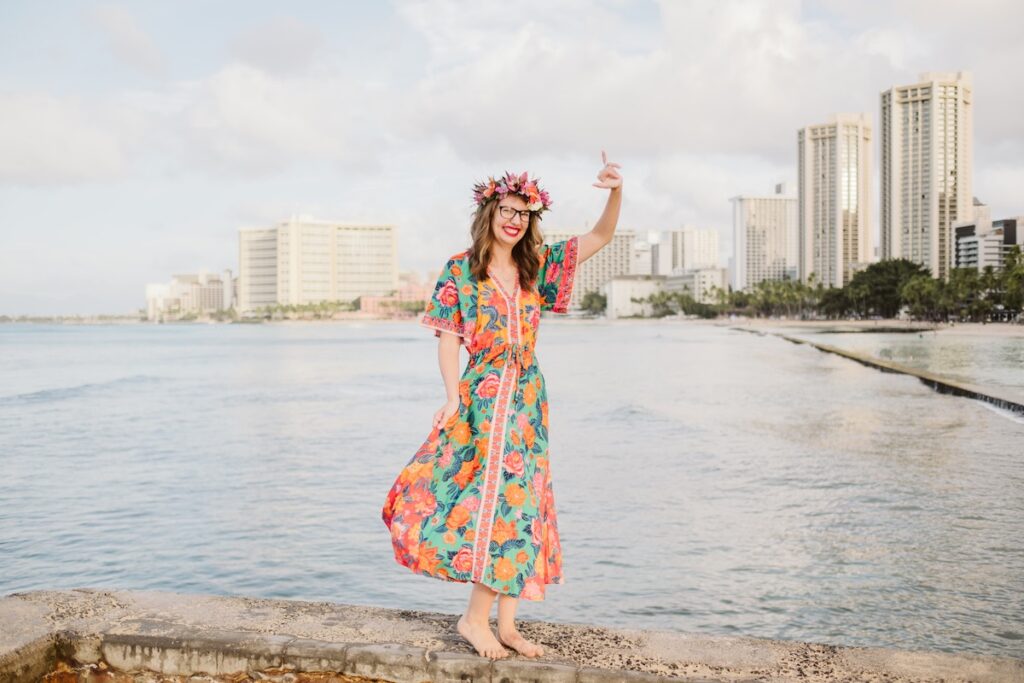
883	289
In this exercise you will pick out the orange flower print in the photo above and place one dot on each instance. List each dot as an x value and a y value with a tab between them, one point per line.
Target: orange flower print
529	394
461	432
449	538
514	495
504	570
522	557
427	559
470	534
465	474
530	434
459	516
423	501
503	531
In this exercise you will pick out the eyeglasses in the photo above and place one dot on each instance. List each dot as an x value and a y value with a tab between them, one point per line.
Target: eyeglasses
508	212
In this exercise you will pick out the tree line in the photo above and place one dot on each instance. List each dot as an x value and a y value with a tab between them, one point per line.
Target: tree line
884	289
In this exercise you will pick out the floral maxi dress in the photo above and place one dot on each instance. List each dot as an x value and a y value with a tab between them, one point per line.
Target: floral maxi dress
475	502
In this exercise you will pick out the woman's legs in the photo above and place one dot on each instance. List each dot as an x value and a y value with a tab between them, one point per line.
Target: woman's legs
474	625
507	632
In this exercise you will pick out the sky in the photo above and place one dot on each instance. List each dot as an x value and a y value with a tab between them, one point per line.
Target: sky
137	138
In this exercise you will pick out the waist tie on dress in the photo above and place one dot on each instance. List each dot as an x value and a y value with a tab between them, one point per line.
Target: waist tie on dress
518	354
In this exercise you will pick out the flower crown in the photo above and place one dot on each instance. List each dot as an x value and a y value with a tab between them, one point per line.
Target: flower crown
537	200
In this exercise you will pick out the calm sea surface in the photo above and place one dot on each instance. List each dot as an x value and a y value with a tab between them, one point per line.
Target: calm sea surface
706	480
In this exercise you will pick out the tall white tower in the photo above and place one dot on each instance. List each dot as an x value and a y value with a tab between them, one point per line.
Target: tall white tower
834	198
926	175
764	238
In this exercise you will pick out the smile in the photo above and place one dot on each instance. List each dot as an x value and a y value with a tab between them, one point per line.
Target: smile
512	232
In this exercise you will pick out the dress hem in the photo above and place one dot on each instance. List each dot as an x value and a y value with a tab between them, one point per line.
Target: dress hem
496	589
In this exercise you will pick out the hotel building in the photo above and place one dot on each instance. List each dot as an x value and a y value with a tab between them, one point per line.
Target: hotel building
834	199
927	146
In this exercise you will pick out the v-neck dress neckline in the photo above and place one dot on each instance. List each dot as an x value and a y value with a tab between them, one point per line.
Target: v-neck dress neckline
497	281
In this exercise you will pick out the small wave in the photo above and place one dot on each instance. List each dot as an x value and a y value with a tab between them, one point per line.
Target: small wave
1010	415
64	393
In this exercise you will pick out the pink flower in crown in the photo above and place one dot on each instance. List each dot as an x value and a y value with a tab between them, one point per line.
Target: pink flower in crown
537	200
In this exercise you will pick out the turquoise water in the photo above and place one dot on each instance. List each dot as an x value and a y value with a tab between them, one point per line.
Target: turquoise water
706	480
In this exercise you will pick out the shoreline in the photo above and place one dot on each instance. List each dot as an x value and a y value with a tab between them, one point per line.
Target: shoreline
240	638
878	326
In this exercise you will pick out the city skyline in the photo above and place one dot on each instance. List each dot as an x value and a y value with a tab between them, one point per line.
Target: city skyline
124	158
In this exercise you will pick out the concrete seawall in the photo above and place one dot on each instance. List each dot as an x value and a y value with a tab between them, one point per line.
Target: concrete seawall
103	635
943	385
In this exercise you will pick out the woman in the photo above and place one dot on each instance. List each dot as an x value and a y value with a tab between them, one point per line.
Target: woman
475	503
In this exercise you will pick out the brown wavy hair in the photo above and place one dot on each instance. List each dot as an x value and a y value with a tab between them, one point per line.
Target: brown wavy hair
525	254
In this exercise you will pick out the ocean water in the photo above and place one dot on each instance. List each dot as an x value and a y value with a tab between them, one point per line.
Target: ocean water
706	480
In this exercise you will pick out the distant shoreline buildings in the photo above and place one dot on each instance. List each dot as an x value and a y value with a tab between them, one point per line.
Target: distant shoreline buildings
927	211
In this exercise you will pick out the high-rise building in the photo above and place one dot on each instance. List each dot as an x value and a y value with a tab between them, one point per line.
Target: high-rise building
257	268
983	242
685	249
834	198
764	238
642	261
616	258
302	261
926	168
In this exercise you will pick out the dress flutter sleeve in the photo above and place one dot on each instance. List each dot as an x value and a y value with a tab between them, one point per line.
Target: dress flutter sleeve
448	308
557	274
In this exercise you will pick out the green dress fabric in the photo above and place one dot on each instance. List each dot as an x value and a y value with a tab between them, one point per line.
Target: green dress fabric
475	502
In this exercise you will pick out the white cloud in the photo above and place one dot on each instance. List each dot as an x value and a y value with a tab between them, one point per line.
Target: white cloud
128	41
282	45
48	140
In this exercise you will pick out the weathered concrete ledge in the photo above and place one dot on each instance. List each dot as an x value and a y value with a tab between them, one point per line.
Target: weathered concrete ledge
943	385
94	634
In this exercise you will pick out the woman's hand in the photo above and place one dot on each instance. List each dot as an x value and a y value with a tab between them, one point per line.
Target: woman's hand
442	416
608	177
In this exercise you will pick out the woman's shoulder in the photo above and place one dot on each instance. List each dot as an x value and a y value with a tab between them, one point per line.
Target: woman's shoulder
460	256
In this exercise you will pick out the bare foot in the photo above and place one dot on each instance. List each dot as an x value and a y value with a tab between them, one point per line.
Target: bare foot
515	640
482	638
